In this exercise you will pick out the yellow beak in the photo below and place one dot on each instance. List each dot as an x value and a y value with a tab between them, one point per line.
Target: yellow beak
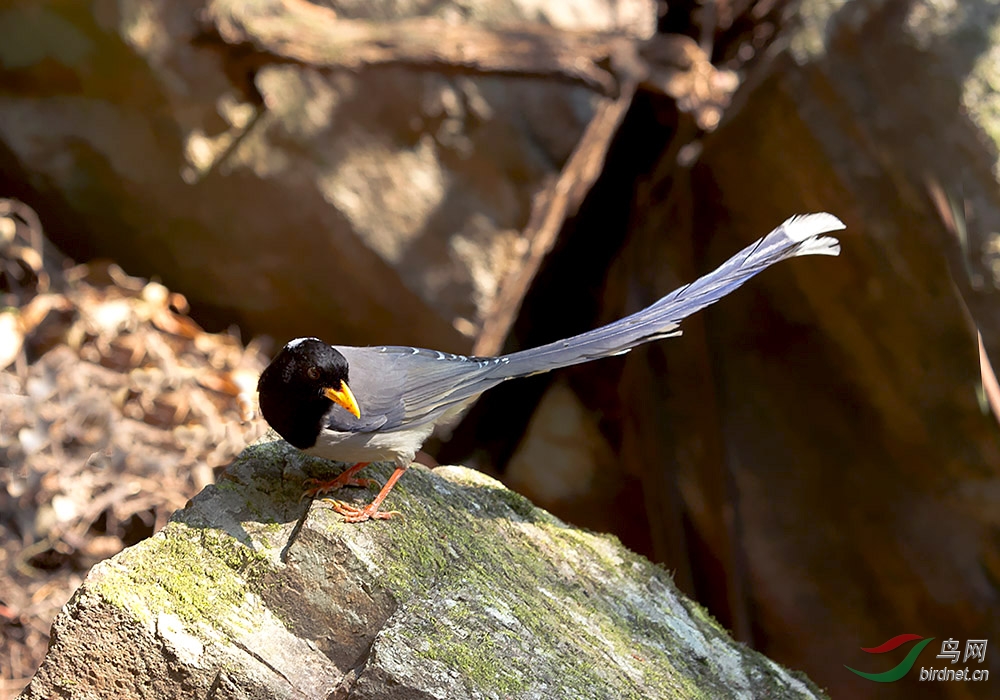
344	397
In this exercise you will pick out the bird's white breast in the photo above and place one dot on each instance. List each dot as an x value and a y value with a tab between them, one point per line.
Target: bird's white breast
399	446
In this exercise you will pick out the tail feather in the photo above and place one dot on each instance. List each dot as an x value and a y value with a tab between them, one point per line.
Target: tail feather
799	235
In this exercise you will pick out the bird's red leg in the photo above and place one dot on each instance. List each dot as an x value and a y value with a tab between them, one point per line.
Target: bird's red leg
359	515
315	487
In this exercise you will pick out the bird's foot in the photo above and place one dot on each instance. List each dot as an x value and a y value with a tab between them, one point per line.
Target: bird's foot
353	514
317	487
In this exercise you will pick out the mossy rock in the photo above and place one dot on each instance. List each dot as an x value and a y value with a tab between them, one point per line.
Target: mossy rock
472	592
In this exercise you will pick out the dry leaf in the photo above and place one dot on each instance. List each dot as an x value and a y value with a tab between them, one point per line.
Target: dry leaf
11	338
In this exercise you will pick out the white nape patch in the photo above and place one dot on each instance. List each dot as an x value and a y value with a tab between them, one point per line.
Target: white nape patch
292	344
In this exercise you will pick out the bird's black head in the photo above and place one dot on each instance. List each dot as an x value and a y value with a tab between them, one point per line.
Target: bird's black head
299	386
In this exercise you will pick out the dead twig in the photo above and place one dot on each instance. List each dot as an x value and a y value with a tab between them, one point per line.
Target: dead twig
316	36
550	209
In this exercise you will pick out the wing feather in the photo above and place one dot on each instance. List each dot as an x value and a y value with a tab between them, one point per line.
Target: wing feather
401	387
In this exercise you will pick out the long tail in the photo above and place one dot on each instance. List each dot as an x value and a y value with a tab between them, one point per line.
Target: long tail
799	235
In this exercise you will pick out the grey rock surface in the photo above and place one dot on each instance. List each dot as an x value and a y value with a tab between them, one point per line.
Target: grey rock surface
471	593
825	433
371	202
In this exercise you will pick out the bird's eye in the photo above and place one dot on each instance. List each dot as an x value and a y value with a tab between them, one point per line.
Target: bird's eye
313	373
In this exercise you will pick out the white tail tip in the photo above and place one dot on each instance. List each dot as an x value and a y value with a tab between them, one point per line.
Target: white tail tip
807	229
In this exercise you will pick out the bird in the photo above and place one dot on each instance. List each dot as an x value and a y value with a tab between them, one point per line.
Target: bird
360	405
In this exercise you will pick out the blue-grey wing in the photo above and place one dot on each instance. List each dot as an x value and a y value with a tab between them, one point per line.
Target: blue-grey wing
401	386
398	385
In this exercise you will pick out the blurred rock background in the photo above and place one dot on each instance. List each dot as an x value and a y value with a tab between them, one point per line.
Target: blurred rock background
816	458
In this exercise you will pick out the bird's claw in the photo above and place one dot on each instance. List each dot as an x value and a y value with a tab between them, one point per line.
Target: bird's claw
353	514
318	487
